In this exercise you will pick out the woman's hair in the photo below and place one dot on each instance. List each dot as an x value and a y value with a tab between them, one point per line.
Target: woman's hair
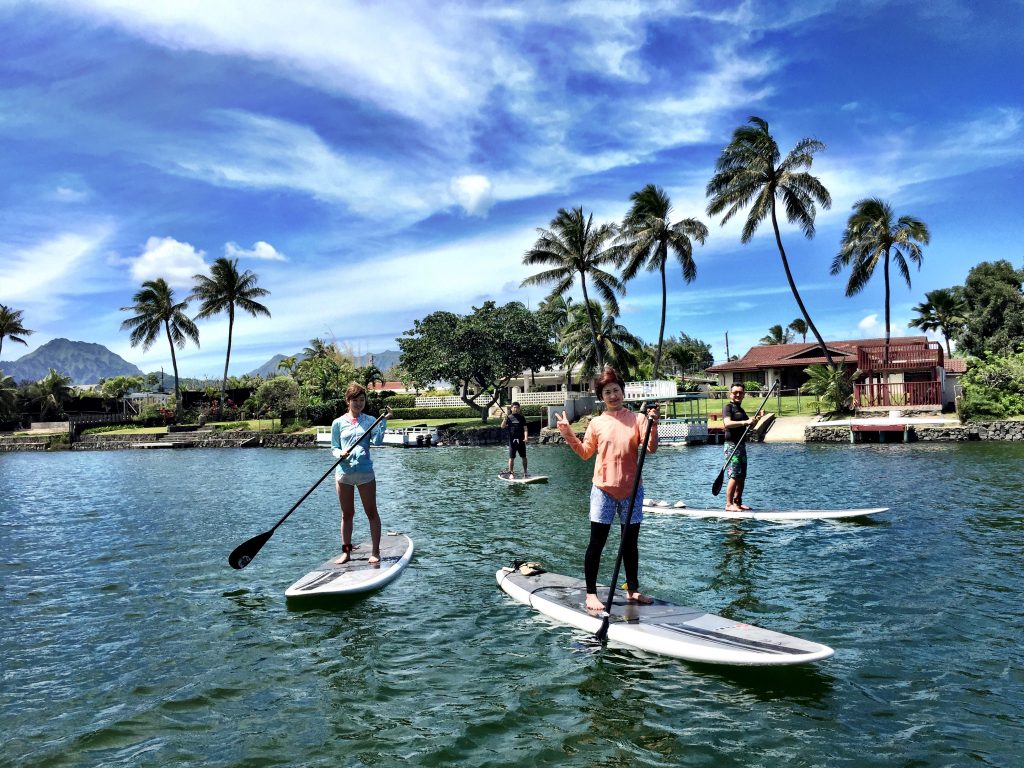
354	390
609	376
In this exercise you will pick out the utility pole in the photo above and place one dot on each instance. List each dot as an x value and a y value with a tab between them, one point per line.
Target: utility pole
727	346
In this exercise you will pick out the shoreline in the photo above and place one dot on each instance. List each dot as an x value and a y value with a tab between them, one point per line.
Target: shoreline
802	432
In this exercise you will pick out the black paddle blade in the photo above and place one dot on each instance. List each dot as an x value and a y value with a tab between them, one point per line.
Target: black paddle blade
243	554
602	631
716	486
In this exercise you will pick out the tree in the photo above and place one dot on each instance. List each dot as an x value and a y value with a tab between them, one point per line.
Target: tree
275	396
830	384
994	317
573	247
873	235
368	375
49	394
690	354
800	327
324	377
11	326
616	345
287	364
943	310
155	312
223	291
8	397
749	172
477	353
777	335
648	235
117	387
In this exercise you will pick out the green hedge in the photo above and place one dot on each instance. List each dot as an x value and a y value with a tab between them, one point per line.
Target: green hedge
464	412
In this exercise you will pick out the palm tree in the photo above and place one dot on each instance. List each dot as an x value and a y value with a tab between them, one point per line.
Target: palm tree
830	384
777	335
287	364
8	396
155	311
574	246
799	326
749	172
944	310
224	290
51	392
873	235
615	344
648	235
11	327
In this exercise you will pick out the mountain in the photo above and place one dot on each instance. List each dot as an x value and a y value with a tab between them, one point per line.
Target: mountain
383	360
85	363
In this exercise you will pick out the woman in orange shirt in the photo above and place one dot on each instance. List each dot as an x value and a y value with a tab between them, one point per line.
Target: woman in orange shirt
615	436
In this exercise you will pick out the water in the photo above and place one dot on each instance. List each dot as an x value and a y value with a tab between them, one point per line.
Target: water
127	640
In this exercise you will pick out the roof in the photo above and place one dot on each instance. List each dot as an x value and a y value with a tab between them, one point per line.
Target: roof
801	355
955	365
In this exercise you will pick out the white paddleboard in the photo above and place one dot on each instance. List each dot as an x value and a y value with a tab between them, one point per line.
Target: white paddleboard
357	575
763	514
524	480
662	627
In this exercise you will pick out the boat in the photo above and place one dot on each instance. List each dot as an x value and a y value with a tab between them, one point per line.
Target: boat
408	437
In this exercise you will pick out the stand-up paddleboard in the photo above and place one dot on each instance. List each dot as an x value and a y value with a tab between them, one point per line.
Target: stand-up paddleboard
357	575
761	514
523	480
662	627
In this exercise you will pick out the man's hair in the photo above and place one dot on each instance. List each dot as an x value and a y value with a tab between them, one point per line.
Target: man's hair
515	402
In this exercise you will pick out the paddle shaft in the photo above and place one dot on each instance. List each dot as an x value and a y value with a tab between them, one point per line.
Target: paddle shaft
602	631
243	554
716	487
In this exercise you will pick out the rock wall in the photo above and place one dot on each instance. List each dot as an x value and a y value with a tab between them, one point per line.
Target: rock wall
990	430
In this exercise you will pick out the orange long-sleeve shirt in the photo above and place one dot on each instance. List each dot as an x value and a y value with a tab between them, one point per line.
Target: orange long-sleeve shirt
615	436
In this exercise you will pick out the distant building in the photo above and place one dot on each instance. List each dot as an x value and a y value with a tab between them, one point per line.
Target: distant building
911	371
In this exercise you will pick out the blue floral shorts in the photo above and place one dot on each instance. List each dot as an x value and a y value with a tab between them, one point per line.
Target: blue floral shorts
603	507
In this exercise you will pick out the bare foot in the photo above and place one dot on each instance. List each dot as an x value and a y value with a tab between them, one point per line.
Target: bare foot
343	559
639	597
731	508
594	602
744	507
374	559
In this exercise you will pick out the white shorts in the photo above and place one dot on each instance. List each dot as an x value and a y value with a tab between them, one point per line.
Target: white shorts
354	478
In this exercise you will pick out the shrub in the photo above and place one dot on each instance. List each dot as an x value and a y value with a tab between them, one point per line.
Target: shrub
993	387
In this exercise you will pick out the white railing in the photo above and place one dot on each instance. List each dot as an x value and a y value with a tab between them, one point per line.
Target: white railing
451	401
638	390
546	398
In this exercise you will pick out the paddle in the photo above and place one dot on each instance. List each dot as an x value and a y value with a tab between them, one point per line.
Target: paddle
716	486
602	631
243	554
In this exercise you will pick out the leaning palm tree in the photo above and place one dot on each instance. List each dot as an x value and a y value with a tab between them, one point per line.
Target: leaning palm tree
223	291
777	335
873	234
11	326
616	345
748	172
573	247
50	393
648	235
800	327
944	310
155	311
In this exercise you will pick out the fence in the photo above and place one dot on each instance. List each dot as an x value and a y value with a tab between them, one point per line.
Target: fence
885	394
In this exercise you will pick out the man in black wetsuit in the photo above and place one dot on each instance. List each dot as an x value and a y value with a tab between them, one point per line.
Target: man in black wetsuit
515	422
736	421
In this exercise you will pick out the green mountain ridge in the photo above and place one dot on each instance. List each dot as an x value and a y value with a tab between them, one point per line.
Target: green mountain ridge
83	362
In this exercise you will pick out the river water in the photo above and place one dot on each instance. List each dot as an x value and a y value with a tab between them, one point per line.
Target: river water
128	641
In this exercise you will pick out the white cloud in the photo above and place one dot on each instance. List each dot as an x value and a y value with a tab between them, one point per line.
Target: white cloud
260	250
165	257
870	324
474	193
41	273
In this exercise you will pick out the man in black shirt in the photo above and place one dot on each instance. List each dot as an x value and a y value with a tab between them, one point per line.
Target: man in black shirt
515	422
736	422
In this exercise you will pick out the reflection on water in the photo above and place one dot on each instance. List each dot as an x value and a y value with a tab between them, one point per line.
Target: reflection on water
128	640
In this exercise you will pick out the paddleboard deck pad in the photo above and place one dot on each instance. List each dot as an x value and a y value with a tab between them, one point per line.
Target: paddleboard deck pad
662	627
358	574
764	514
524	480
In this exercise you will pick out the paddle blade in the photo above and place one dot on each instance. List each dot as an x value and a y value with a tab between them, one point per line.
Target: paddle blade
243	554
602	631
716	486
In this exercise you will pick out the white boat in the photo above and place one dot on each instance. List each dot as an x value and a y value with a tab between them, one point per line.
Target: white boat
409	437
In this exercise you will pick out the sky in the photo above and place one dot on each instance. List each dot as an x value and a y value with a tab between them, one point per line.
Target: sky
376	162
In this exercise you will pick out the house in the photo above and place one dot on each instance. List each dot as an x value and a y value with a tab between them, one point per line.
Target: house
908	372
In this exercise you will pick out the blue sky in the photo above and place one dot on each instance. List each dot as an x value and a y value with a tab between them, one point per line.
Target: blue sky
375	162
